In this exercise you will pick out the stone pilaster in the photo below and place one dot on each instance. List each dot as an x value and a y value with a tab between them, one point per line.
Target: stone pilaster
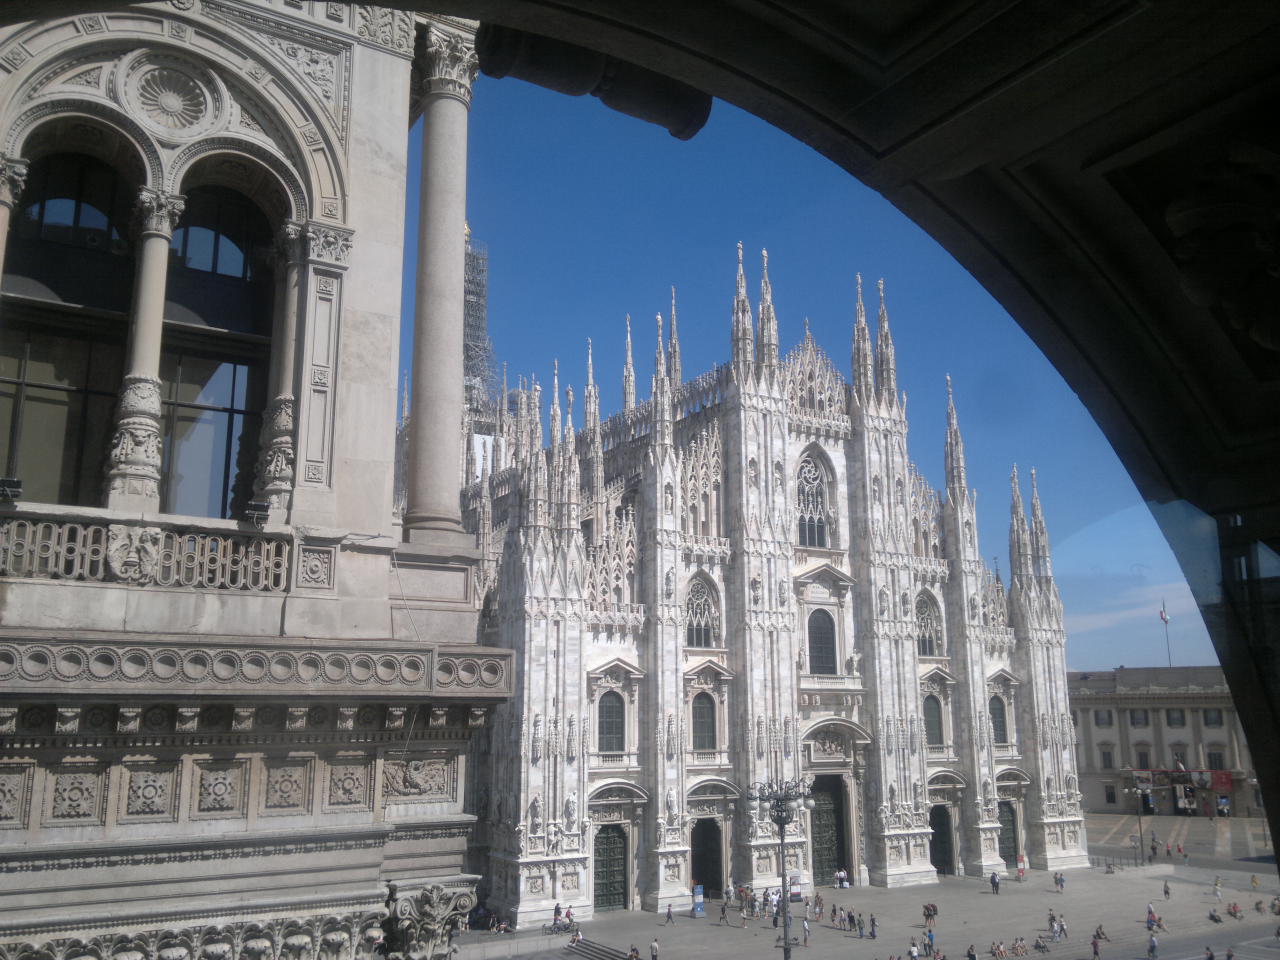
449	68
133	466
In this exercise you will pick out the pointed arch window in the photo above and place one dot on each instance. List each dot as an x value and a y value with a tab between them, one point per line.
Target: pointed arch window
813	514
999	720
822	643
928	627
704	722
933	721
611	729
702	615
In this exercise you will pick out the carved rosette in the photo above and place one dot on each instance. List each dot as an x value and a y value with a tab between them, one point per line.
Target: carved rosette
451	65
13	177
133	465
158	212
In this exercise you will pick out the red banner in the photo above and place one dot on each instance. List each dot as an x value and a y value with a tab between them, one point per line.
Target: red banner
1222	781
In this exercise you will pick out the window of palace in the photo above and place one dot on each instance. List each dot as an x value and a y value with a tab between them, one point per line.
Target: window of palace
928	627
1139	718
811	504
999	720
611	724
1102	718
1107	758
1213	716
1143	755
704	722
822	642
1216	759
933	735
702	615
1109	793
1175	717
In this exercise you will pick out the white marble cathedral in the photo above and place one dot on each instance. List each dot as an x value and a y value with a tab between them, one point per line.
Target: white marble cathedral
745	576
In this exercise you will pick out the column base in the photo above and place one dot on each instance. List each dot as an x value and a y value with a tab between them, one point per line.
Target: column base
429	527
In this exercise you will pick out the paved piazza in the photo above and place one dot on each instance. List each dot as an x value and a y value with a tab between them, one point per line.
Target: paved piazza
969	913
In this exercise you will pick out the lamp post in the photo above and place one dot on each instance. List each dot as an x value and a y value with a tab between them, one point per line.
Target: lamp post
1137	794
784	799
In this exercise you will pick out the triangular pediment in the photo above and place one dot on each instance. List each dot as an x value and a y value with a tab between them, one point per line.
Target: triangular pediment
1003	676
616	666
703	666
824	571
939	675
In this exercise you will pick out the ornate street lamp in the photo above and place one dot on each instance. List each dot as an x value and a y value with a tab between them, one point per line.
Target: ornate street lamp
1137	793
783	798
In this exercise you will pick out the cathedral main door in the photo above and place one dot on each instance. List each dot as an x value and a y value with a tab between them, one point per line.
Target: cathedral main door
610	868
941	850
706	859
827	821
1008	835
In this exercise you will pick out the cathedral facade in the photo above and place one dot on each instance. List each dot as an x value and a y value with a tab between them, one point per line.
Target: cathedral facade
745	578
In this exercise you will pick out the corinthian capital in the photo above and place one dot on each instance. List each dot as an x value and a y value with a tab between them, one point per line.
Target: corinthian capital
450	64
158	212
13	177
289	244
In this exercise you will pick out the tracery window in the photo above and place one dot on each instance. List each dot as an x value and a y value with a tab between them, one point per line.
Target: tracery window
928	627
933	721
702	615
811	504
999	720
704	722
822	642
611	730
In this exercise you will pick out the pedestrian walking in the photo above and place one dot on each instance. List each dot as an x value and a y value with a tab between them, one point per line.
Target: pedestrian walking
1253	881
805	923
861	926
724	910
1166	889
995	883
1186	859
1217	888
1095	945
742	912
1152	947
1208	954
873	926
671	917
1062	883
653	949
1168	850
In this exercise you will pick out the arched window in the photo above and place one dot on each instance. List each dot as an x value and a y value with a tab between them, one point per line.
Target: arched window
933	721
702	615
611	731
822	642
60	369
928	627
704	722
999	722
811	504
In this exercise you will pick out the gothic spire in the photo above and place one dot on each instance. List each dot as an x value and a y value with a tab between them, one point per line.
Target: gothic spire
954	450
1020	561
591	396
629	375
677	376
555	405
862	364
743	337
659	355
886	365
768	339
1039	532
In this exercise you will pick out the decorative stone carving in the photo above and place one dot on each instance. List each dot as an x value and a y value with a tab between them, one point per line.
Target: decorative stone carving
392	29
132	552
220	788
171	100
77	797
328	244
13	177
317	67
15	795
288	788
151	792
67	721
421	779
157	212
133	465
451	64
315	567
349	785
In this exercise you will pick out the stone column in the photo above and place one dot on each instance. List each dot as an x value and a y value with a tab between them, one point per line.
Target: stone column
13	177
133	467
436	407
274	476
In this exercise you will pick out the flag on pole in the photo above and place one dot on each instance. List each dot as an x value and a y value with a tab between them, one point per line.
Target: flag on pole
1164	616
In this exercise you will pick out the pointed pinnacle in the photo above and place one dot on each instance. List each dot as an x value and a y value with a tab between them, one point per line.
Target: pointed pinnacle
591	377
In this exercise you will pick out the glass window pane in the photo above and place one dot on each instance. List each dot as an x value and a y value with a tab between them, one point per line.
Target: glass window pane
49	443
200	245
57	358
205	380
230	257
7	393
106	367
98	428
12	340
195	474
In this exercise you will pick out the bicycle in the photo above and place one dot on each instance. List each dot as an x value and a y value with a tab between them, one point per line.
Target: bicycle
560	926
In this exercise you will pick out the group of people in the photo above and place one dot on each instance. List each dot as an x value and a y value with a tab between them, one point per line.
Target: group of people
1018	948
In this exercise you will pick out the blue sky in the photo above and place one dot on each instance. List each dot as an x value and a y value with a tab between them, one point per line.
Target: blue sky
590	215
